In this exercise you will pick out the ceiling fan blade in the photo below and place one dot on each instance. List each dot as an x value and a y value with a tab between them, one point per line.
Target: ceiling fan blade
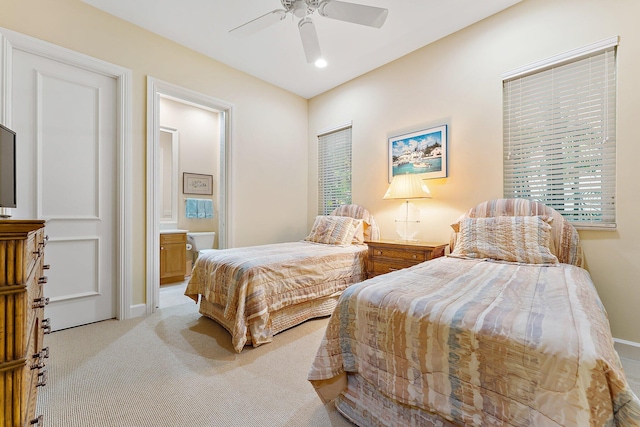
310	42
260	23
350	12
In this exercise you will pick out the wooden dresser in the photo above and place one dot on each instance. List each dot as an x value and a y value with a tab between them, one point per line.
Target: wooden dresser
390	255
22	324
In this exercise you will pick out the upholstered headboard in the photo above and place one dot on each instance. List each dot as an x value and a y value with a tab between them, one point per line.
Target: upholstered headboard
565	242
371	230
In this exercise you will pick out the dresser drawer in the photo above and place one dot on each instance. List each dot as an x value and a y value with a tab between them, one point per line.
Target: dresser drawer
34	250
36	370
35	296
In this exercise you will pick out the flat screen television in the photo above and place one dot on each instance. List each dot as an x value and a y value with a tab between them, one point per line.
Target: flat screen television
7	168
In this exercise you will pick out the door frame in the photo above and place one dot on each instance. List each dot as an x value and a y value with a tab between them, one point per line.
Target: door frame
10	40
155	89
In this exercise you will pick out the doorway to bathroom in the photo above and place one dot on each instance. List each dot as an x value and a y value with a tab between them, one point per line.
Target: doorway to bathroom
187	140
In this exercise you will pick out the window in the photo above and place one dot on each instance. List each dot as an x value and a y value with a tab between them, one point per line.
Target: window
560	134
334	168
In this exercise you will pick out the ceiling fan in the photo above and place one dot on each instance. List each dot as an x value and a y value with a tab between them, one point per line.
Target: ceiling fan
350	12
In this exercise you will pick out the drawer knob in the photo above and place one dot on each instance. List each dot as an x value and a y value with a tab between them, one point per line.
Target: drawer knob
42	378
46	326
37	421
40	302
415	256
379	253
43	280
42	354
46	266
38	365
39	360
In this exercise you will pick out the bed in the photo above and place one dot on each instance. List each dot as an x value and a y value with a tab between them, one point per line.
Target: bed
508	330
256	292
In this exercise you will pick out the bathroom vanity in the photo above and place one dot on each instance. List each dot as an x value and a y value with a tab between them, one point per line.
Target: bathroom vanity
173	256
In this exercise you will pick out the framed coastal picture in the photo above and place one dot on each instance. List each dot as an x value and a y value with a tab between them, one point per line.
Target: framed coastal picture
423	152
195	183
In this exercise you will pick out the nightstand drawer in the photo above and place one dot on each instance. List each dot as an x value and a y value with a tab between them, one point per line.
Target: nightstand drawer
386	256
381	267
399	254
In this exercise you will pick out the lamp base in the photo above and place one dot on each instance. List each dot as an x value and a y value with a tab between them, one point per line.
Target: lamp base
407	227
407	240
407	230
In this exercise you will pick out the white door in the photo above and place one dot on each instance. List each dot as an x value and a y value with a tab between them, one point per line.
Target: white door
65	119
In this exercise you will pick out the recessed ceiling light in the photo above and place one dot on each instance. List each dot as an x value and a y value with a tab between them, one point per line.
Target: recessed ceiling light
321	63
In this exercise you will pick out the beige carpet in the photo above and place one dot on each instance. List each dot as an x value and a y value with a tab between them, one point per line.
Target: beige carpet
176	368
631	364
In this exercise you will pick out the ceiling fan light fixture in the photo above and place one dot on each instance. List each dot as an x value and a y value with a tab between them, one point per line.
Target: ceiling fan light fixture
299	9
321	63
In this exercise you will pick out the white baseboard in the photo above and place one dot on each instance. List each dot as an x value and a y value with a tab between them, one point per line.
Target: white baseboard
628	349
139	310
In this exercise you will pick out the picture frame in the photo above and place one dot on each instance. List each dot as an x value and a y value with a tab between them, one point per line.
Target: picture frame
196	183
422	152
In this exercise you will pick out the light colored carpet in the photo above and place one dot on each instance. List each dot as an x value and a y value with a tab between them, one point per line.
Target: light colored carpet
177	368
632	372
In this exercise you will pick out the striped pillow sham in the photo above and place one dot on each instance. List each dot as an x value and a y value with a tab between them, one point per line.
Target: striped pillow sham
333	230
520	239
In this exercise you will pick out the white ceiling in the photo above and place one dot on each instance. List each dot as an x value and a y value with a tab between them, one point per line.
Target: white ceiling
275	54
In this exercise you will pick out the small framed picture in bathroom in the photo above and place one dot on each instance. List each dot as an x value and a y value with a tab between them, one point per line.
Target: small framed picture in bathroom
195	183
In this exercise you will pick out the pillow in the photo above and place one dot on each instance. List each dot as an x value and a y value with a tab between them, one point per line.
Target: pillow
371	230
358	235
521	239
333	230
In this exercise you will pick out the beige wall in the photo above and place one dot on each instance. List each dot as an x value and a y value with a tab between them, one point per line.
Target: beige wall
457	81
268	178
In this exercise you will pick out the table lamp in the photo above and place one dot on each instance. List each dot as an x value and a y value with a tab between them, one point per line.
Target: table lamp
407	186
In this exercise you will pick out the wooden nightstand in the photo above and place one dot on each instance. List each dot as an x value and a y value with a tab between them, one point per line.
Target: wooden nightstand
390	255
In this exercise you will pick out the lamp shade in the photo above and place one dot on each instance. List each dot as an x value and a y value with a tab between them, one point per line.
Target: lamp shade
407	186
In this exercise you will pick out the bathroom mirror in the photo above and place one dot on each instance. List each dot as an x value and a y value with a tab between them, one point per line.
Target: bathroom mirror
168	179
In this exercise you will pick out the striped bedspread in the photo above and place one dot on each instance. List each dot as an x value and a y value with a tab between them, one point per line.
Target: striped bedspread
252	282
481	343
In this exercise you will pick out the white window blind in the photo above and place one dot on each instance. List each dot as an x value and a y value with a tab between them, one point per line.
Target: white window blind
560	136
334	169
